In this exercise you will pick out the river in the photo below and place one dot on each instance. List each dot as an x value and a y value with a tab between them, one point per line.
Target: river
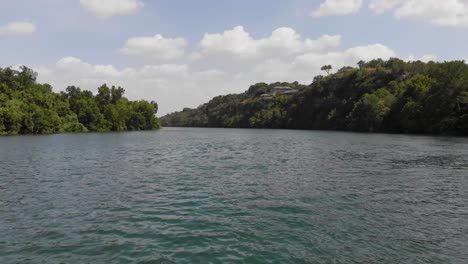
193	195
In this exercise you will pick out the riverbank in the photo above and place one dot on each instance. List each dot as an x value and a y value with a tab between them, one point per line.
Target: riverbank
381	96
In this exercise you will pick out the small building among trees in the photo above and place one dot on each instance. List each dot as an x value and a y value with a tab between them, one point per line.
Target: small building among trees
283	90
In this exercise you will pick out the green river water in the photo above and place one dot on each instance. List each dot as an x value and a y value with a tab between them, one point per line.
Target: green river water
188	195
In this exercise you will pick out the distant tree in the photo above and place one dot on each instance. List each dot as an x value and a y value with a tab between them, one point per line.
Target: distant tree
368	113
318	78
258	89
326	68
103	97
361	64
374	63
155	106
116	94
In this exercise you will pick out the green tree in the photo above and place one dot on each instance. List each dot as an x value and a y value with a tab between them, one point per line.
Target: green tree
326	68
368	113
103	97
116	94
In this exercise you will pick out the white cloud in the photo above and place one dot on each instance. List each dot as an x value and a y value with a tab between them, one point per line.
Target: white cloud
84	70
337	8
156	47
380	6
238	43
17	28
423	58
194	56
105	9
369	52
443	13
437	12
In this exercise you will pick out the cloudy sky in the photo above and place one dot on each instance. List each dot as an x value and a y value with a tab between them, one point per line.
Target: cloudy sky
182	53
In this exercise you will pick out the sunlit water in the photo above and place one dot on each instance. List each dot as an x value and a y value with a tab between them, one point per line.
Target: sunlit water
183	195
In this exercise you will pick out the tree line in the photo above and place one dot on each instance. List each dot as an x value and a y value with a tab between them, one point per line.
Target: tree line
28	107
378	96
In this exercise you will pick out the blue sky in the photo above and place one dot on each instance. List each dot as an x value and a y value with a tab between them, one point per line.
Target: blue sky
89	42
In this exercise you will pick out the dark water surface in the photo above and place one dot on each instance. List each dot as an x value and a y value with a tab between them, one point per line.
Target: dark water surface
184	195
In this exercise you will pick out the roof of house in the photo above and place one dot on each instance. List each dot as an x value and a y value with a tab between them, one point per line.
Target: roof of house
291	91
282	88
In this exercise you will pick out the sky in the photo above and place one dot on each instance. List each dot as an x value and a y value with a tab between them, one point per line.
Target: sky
182	53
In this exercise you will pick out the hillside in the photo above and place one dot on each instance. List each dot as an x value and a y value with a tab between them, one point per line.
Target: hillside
378	96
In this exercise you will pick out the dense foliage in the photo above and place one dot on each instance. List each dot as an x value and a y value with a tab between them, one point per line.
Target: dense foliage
379	96
27	107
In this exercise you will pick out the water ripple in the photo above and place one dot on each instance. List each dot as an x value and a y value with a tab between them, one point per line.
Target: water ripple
233	196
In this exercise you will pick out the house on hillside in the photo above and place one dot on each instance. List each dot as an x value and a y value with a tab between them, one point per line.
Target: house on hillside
283	90
266	96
